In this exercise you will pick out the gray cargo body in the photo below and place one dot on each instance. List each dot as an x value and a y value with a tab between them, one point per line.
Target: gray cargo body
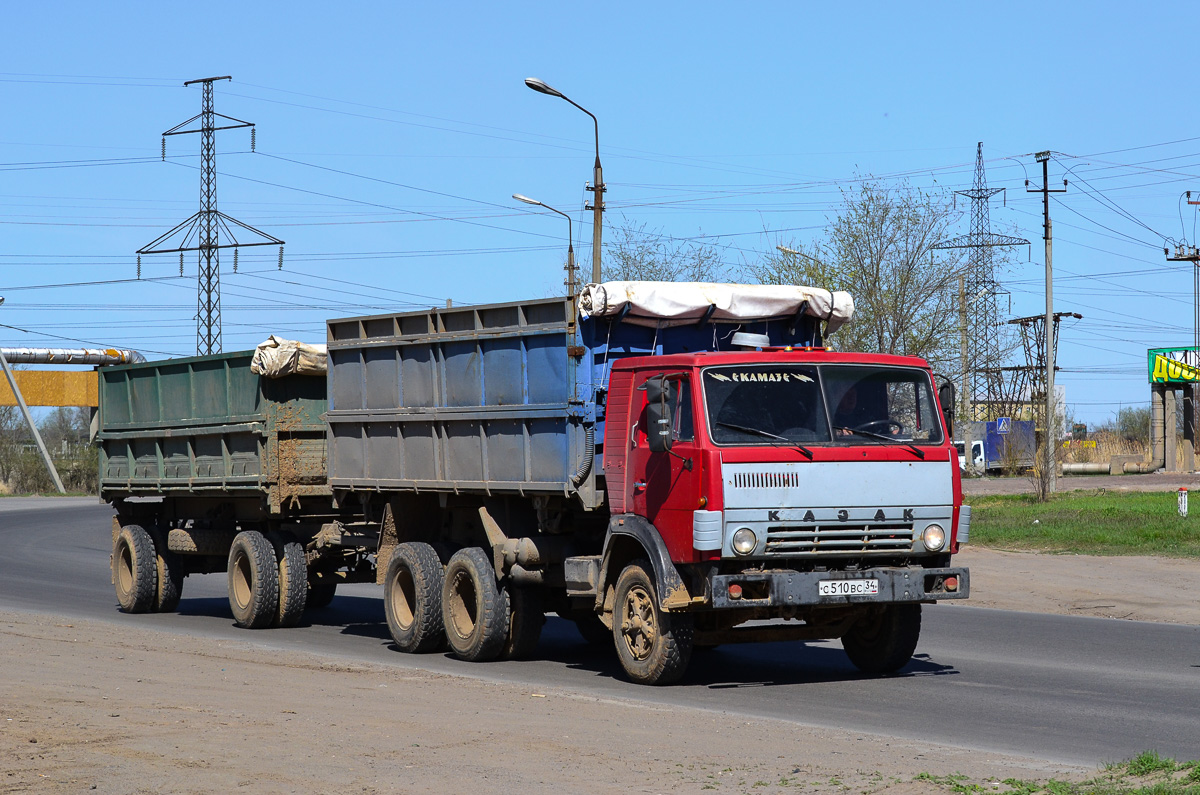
482	400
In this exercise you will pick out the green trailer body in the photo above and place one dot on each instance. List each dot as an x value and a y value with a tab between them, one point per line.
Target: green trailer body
207	425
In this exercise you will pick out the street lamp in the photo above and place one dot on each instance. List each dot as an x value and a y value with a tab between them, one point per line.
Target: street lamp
796	253
597	188
570	241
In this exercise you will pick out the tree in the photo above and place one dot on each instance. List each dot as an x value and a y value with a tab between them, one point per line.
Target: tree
879	247
635	254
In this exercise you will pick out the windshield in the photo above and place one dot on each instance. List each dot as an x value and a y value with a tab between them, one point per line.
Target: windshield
835	404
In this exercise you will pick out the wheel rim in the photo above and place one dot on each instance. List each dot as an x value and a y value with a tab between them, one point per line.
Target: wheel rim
243	577
125	568
639	622
404	597
463	607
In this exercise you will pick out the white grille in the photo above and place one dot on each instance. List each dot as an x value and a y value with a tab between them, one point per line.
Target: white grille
839	539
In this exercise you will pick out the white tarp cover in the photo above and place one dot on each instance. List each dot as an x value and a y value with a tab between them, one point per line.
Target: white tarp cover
278	357
679	303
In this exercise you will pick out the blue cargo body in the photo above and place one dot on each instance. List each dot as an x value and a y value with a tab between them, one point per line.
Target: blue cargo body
494	399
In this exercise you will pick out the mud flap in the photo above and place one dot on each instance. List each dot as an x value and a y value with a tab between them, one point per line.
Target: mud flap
672	593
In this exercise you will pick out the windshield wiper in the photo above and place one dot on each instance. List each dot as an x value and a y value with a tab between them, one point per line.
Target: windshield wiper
917	451
769	435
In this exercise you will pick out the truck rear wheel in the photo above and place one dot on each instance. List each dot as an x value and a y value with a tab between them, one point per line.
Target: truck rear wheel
134	569
654	647
168	588
474	609
412	598
526	617
253	580
884	640
293	579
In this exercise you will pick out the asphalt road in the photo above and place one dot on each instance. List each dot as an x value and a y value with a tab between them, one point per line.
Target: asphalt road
1066	689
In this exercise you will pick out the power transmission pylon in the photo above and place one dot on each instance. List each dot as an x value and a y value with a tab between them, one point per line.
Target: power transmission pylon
984	373
202	231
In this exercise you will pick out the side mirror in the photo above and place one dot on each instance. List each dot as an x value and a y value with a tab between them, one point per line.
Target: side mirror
660	394
946	398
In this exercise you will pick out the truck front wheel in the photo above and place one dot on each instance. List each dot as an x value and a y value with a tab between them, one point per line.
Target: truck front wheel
654	647
474	608
412	598
135	569
253	580
883	640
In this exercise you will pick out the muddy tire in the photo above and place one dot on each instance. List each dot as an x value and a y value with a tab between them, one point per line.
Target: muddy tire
253	580
884	640
654	647
293	579
168	588
320	595
526	615
474	608
134	569
412	598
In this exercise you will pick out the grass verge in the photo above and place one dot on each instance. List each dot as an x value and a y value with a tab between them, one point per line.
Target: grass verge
1088	522
1145	774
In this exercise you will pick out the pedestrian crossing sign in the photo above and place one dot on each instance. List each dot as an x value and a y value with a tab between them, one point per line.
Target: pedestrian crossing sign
1003	424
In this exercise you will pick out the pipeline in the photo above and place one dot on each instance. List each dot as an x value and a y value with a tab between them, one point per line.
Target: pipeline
589	452
71	356
1144	469
1085	469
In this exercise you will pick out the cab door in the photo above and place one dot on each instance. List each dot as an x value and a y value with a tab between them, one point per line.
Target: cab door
666	485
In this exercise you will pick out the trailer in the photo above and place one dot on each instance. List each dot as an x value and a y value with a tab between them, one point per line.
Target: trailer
667	466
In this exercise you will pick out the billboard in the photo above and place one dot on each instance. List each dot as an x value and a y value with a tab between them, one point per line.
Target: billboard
1174	365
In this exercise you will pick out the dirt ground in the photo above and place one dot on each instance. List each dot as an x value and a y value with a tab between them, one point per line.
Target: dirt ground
83	709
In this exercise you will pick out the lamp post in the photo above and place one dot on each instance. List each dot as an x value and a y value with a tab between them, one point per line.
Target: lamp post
570	241
597	188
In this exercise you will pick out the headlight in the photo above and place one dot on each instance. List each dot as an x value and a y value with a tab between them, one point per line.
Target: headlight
933	537
744	541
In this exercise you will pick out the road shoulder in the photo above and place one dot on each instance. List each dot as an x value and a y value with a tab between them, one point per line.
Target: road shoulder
92	706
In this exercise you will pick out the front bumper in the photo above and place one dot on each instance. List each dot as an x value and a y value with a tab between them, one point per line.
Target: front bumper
786	588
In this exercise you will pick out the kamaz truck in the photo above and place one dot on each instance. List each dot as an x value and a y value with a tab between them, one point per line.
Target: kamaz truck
669	466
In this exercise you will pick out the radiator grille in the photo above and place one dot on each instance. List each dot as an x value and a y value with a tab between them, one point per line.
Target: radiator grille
839	539
766	480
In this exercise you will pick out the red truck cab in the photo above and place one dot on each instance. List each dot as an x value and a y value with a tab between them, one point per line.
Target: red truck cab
817	487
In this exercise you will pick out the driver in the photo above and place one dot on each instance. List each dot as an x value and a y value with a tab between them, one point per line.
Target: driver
846	415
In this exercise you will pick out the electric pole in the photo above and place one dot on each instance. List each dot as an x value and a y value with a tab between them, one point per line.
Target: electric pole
1186	253
201	231
1046	190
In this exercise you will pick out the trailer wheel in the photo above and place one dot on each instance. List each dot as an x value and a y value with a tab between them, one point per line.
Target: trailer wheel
253	580
293	579
526	617
884	640
320	595
169	583
474	609
412	598
654	647
134	569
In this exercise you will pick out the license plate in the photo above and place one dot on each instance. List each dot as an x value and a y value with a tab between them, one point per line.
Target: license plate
847	587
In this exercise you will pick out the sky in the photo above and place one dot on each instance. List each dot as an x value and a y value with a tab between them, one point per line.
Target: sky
390	137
